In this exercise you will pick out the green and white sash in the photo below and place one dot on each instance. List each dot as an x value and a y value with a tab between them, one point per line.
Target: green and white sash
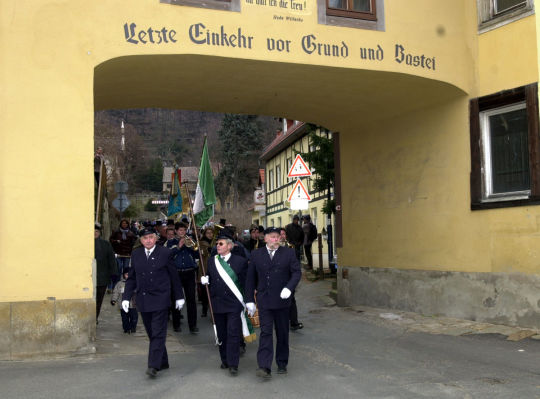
231	279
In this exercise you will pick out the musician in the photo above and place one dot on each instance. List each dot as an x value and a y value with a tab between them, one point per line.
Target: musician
274	271
226	278
153	276
184	257
254	242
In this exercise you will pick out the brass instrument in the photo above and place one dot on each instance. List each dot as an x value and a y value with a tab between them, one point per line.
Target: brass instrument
188	242
217	228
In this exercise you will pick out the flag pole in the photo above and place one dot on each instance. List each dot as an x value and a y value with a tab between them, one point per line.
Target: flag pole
202	265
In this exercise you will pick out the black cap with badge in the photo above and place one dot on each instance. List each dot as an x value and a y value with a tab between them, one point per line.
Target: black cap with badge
146	231
271	230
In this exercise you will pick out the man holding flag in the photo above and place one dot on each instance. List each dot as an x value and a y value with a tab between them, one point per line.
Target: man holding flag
226	278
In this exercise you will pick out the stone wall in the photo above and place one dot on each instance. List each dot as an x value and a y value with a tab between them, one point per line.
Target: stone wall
47	328
500	298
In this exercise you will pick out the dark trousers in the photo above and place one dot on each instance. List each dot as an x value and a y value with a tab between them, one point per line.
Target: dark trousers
187	279
298	251
100	293
229	330
309	255
293	311
203	297
270	319
129	319
155	324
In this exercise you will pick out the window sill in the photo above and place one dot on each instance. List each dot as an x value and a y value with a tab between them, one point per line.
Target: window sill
505	19
506	203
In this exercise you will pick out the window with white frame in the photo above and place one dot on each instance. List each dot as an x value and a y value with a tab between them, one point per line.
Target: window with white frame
505	152
279	222
495	13
278	176
270	180
505	149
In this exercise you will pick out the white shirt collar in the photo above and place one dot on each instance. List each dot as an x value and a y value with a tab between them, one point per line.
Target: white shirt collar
227	257
149	251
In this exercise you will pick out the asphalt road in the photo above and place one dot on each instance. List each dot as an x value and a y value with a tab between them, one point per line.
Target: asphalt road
339	354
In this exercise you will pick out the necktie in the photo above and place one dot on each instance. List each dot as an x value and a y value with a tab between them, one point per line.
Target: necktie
271	253
147	254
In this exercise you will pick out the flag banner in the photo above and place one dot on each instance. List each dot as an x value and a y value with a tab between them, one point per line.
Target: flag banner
205	196
175	196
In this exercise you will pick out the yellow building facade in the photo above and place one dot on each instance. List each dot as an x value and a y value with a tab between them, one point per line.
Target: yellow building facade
411	87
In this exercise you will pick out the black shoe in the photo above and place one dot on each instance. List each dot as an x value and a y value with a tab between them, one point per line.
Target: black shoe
194	330
133	330
177	329
264	373
282	370
126	331
224	366
298	326
151	372
233	371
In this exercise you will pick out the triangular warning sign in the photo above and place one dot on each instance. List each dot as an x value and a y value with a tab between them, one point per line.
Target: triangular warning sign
299	192
299	168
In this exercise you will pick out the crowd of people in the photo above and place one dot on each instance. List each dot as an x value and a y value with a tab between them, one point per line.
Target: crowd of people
158	268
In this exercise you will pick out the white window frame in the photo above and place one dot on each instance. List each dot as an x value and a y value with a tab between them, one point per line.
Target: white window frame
489	19
487	171
278	176
270	180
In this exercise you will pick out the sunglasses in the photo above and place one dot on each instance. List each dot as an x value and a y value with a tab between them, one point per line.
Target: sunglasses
219	244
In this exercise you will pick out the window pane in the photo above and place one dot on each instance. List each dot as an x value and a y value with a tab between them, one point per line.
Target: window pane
362	5
509	151
342	4
503	5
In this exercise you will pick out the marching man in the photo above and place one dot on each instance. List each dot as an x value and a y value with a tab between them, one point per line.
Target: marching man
226	278
274	271
153	275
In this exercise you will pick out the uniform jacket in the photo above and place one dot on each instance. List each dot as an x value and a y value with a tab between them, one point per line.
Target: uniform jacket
223	299
105	261
153	279
269	277
184	257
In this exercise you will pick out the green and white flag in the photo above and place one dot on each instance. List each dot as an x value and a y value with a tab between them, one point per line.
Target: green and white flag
205	196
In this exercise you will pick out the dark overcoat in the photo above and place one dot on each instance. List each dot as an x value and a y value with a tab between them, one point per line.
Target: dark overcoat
153	278
270	276
223	299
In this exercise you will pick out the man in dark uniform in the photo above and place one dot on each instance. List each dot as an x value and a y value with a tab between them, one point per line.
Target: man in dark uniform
226	278
184	262
274	271
153	275
295	235
105	266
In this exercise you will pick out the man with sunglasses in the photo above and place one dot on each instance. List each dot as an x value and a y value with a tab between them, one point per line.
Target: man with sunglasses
274	271
226	279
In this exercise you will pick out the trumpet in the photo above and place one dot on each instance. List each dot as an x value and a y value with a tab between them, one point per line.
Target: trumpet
190	243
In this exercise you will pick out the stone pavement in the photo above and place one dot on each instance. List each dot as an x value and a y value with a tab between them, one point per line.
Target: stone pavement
355	352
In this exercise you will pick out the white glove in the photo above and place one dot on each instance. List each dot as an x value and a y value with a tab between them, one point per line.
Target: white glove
179	304
205	280
251	308
285	293
125	306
